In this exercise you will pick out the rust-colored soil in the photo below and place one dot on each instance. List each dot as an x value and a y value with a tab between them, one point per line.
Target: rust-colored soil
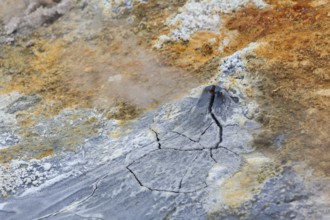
294	63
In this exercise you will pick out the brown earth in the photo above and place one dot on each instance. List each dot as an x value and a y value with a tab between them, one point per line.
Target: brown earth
112	68
294	63
75	71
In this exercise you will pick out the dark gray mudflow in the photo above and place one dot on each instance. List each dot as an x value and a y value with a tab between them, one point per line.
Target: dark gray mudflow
193	138
169	163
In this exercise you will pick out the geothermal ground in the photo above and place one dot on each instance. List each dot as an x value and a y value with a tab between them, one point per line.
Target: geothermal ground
146	109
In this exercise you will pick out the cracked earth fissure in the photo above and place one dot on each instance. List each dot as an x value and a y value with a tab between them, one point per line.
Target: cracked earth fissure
178	133
157	137
217	122
229	150
149	188
163	190
137	179
211	155
204	132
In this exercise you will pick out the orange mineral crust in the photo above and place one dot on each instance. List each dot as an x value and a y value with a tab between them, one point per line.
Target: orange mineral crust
294	62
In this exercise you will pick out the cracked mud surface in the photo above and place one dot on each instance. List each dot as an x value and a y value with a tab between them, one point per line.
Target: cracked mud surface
184	151
179	166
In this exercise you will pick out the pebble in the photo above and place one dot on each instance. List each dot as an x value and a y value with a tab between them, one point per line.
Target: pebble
35	183
27	181
47	166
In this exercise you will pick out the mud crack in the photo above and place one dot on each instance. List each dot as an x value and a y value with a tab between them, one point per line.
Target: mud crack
77	203
179	187
140	183
157	137
211	155
215	90
136	178
230	150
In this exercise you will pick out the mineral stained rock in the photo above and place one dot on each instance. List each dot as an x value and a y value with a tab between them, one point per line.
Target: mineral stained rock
140	109
37	13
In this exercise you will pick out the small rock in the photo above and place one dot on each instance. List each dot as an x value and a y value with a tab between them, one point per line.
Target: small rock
27	181
30	43
47	166
38	174
206	50
23	103
35	183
